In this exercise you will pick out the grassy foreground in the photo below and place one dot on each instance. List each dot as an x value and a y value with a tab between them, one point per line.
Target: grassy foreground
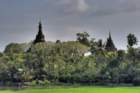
79	90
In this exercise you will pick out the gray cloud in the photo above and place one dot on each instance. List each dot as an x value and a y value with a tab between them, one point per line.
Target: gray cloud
63	18
95	7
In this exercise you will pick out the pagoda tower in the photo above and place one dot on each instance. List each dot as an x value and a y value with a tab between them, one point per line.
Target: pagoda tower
110	44
40	36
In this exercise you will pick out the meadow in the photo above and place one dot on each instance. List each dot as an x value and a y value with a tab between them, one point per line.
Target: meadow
78	90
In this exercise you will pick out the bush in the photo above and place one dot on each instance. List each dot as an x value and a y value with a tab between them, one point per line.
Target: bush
136	81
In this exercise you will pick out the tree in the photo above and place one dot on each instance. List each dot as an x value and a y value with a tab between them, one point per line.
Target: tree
12	69
93	46
14	48
121	55
35	61
83	38
132	40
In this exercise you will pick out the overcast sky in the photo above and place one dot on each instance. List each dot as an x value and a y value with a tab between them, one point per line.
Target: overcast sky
62	19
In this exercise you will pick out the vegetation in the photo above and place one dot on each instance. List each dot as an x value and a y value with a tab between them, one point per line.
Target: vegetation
46	63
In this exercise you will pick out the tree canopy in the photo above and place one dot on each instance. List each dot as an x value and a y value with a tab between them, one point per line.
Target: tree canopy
65	63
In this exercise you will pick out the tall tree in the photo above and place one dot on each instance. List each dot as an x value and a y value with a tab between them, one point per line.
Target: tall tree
132	40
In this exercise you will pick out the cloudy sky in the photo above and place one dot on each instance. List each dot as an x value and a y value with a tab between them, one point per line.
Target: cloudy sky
62	19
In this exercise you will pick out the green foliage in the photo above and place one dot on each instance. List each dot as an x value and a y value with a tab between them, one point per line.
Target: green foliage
132	40
83	38
64	62
14	48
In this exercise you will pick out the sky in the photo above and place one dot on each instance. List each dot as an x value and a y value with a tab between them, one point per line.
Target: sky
62	19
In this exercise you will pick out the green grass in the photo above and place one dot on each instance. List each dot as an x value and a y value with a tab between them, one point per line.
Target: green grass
78	90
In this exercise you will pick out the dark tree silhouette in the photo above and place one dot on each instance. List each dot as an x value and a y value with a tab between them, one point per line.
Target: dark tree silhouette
132	40
83	38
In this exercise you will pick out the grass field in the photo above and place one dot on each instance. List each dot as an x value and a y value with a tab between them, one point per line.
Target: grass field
78	90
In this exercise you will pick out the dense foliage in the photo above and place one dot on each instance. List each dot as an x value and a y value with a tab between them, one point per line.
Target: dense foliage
64	62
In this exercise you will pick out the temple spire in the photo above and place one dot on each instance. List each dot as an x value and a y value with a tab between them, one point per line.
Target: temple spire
40	26
40	36
110	35
110	44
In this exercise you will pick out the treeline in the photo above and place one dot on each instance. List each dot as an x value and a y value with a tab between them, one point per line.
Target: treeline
65	63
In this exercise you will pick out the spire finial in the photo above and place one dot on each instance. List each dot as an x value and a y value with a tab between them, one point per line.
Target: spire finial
40	26
40	21
109	33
